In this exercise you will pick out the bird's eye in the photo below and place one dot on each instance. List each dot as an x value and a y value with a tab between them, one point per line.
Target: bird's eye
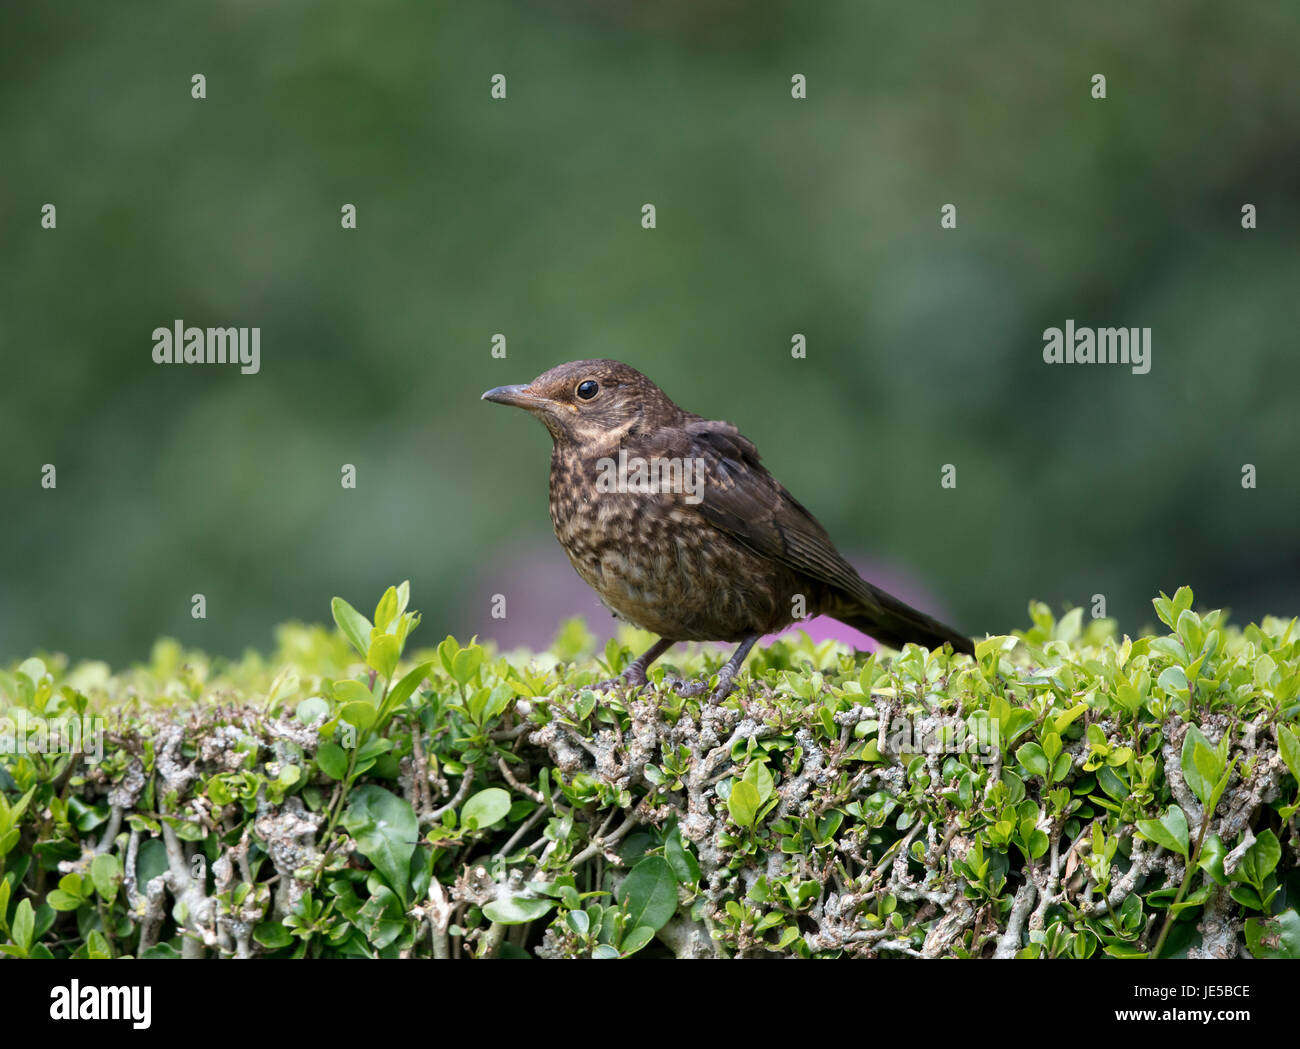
587	390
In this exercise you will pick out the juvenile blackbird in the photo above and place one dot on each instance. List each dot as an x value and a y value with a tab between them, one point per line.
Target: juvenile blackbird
674	522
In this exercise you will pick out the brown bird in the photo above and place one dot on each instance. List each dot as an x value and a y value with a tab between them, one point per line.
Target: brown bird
674	522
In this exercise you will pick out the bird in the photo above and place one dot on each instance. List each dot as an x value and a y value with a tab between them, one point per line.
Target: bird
679	528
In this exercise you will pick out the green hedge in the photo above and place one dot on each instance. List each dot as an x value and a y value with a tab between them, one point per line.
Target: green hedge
1066	793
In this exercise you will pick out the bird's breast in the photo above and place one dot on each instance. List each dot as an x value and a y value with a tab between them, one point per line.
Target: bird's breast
657	563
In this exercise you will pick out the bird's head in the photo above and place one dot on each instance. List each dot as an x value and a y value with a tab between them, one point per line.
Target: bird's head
589	402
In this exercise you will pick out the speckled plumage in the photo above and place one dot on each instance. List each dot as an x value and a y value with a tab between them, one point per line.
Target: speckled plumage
724	561
650	568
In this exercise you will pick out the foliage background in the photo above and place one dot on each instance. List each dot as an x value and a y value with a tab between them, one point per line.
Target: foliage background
522	217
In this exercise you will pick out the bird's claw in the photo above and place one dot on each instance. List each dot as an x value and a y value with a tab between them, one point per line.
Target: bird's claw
684	688
627	679
690	689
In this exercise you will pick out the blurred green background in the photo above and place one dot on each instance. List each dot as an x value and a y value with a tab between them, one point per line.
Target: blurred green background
522	217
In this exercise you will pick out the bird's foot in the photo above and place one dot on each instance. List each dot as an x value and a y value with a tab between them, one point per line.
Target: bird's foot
689	689
686	688
726	676
632	677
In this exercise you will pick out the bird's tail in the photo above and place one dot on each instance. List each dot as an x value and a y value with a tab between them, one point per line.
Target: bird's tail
893	623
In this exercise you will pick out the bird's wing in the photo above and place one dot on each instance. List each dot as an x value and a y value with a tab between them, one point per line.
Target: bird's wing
742	499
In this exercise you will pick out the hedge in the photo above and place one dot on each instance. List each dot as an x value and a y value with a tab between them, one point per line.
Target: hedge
1067	793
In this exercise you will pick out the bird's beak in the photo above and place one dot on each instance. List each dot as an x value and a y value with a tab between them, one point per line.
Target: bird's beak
517	396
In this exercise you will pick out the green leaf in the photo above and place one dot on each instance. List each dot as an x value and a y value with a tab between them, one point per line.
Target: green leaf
759	775
1034	759
285	684
361	715
788	936
1289	745
272	935
447	649
1190	901
516	910
106	873
1261	858
1061	768
1246	896
33	670
1070	625
386	611
1198	779
73	885
636	939
383	654
333	760
1173	680
1016	722
1051	743
385	830
649	892
310	709
18	807
1217	792
355	627
485	808
1207	764
401	692
679	856
1109	781
24	924
743	803
1211	859
351	691
1130	911
1170	830
1037	843
1064	720
1275	937
150	862
584	704
161	951
63	901
465	663
371	749
86	817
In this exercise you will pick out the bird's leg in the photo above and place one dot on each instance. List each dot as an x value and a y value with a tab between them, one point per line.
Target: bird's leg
634	675
726	676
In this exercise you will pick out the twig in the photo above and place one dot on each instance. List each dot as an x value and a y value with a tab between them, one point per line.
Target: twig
523	788
465	783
